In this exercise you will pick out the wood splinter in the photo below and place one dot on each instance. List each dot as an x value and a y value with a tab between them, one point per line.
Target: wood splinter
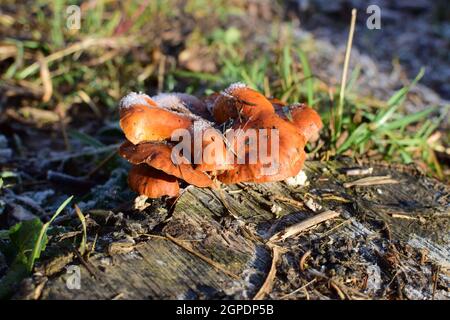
302	226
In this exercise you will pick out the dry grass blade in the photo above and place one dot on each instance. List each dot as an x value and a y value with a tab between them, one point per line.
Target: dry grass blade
344	73
45	78
268	283
289	200
302	226
76	47
371	181
214	264
86	99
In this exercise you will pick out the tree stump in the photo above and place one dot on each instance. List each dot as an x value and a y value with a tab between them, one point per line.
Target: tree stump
389	241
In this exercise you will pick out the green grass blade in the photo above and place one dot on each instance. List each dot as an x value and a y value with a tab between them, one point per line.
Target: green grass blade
309	78
38	247
395	101
82	219
406	120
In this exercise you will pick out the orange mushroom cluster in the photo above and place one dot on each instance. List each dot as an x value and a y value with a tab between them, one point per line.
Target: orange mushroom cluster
273	131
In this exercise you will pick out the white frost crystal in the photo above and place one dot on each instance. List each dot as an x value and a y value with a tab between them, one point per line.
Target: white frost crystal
228	92
171	102
132	99
276	209
140	203
299	180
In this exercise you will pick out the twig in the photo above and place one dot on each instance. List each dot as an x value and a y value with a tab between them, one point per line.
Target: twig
435	280
202	257
268	283
338	290
403	216
303	260
302	226
118	296
86	264
332	197
289	200
371	181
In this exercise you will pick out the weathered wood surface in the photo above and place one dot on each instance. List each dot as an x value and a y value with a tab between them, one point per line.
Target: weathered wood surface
390	241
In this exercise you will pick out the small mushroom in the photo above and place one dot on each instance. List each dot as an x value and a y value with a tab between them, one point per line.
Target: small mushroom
289	161
306	119
153	183
239	102
179	105
141	119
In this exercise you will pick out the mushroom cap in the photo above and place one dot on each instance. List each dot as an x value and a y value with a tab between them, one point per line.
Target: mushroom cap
239	101
212	151
291	154
141	119
306	119
153	183
159	156
183	103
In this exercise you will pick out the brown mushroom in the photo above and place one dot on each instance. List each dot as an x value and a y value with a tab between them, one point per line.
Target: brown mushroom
306	119
153	183
239	101
159	156
291	154
149	125
141	119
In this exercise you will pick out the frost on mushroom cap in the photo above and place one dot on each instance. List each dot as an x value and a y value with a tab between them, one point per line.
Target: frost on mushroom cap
228	92
141	119
134	98
183	103
239	101
171	101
